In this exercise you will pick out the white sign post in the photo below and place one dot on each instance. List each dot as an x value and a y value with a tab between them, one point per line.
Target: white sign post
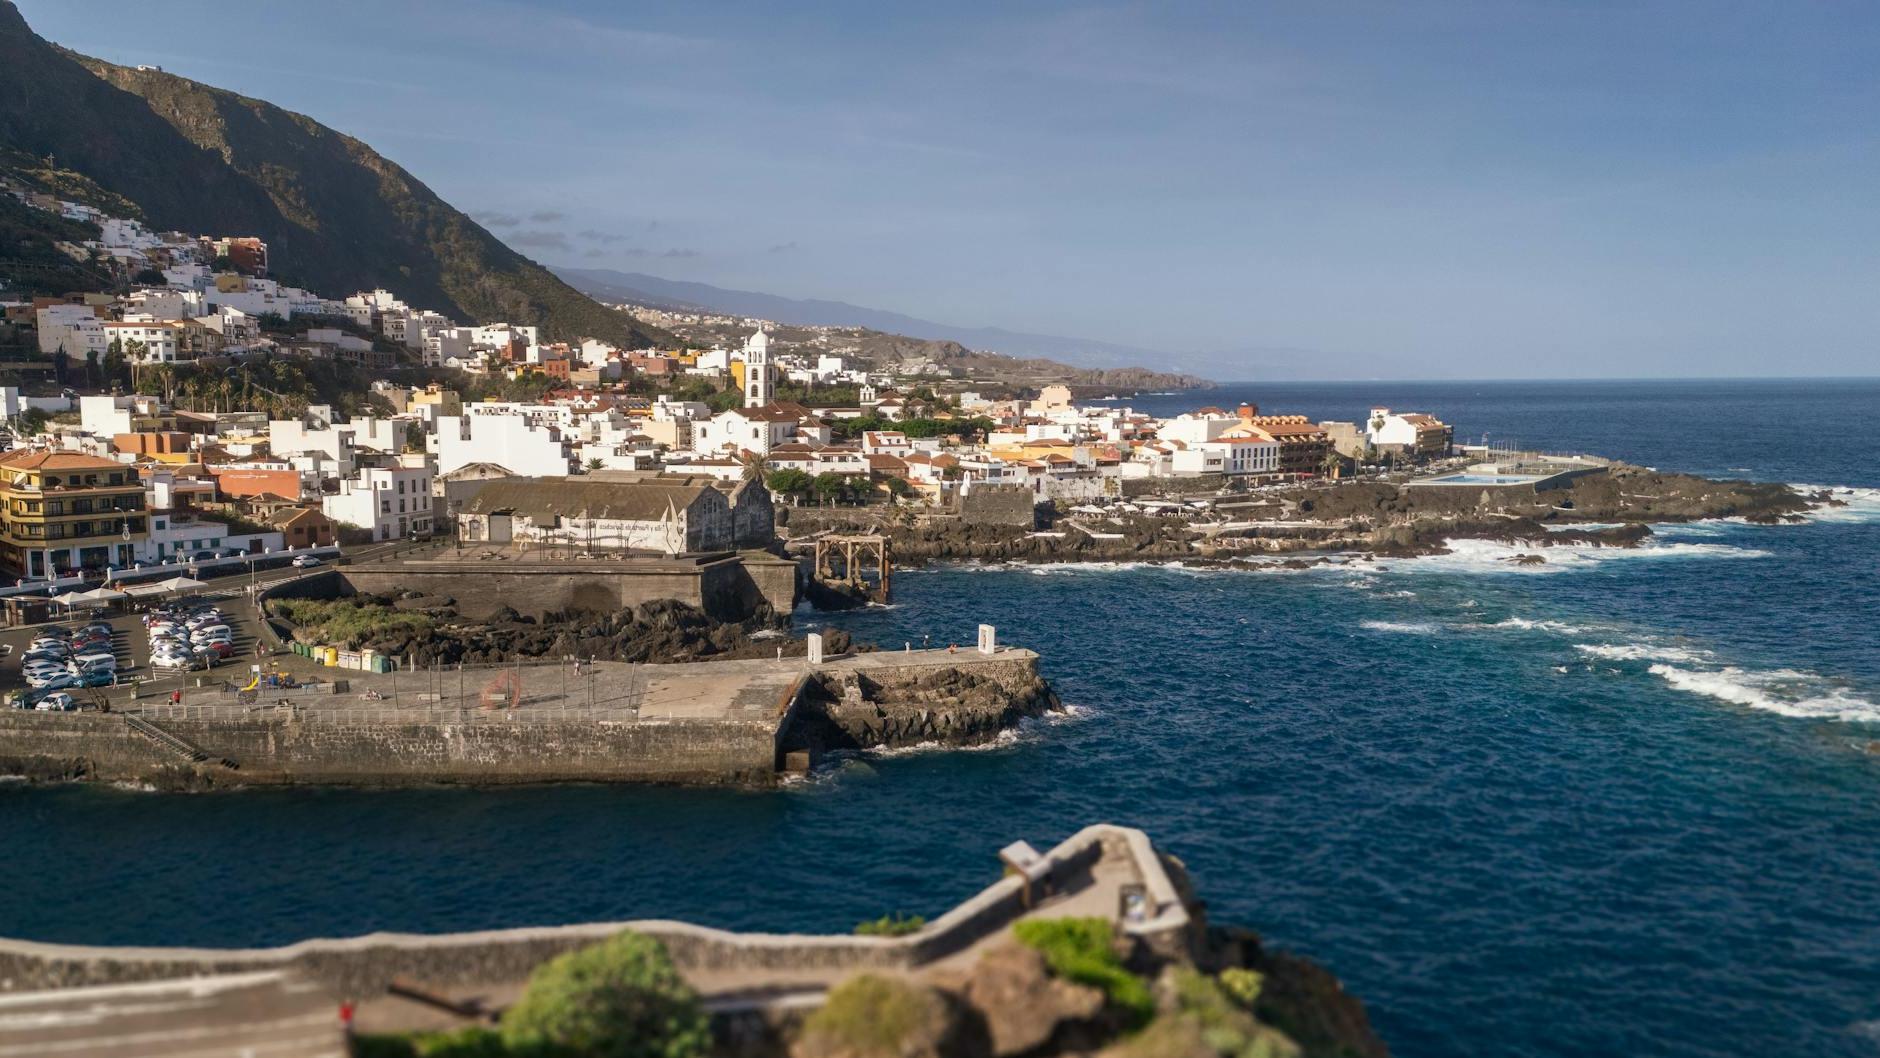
815	648
988	639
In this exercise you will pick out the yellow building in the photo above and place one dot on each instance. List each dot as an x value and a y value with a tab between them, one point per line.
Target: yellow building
444	400
65	511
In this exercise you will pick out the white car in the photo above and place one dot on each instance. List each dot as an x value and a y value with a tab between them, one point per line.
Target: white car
173	661
56	702
306	561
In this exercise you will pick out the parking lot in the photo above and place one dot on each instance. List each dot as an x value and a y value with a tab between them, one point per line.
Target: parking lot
130	645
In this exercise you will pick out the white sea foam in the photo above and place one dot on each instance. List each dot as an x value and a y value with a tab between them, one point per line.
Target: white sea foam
1522	624
1784	691
1408	628
1643	652
1861	505
1494	556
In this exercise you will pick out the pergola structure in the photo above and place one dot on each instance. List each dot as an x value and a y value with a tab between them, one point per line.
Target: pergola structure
842	559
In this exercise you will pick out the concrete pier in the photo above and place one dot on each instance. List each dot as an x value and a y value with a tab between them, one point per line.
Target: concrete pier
740	722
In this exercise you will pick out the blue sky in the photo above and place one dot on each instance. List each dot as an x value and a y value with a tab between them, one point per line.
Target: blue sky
1384	189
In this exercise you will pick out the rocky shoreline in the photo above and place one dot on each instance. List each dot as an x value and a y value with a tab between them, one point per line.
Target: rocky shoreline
1309	524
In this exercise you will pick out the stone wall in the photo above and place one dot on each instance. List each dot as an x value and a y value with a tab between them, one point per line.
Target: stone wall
363	966
1195	485
726	586
1000	505
484	750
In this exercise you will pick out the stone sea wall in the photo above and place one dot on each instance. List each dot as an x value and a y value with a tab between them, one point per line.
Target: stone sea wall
485	750
364	966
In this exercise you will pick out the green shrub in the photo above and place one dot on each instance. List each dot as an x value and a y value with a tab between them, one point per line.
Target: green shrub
1242	985
869	1016
1205	1018
894	925
349	624
1083	950
620	998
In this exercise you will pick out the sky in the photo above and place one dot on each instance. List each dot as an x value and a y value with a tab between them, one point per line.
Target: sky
1372	190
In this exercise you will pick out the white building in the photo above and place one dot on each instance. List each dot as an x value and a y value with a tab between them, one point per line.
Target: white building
529	449
76	329
749	429
393	502
145	341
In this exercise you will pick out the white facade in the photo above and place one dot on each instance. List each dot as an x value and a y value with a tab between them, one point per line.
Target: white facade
752	429
73	328
506	438
392	502
760	386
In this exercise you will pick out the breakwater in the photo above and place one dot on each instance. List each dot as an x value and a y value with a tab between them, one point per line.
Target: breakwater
735	722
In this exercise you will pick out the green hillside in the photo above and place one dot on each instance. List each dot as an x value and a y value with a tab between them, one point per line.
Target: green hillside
337	216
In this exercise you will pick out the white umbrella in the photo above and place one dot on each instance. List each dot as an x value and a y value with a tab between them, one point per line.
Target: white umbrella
145	591
183	584
70	599
102	595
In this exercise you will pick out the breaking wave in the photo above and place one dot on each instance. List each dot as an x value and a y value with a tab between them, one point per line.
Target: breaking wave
1494	556
1788	692
1408	628
1860	504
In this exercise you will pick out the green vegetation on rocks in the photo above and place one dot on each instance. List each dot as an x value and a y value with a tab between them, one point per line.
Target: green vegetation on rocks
343	622
894	925
1084	950
872	1016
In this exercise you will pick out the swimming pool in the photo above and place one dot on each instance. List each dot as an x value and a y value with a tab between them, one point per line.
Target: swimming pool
1481	479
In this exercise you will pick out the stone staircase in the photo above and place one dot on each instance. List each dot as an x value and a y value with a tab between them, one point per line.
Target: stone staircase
175	743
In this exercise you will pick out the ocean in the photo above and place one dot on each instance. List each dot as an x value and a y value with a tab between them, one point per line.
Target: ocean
1622	803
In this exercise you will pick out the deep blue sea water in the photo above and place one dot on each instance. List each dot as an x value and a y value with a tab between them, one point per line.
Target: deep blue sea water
1621	804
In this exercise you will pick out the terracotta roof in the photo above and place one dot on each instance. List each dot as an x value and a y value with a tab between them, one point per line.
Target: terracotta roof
55	459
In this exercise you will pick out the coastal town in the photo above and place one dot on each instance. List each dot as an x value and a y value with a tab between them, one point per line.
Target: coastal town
243	470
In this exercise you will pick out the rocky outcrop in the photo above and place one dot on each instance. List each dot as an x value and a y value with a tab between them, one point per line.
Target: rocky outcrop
663	631
1026	1010
862	710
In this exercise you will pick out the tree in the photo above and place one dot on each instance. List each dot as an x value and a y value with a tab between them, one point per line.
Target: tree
61	365
91	365
414	437
898	488
595	464
756	466
790	482
621	998
33	421
829	486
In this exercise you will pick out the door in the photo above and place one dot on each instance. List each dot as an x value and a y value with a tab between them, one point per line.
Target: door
502	528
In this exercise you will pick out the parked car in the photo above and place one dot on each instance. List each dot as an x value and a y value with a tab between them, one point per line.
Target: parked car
56	702
174	660
54	682
306	561
101	678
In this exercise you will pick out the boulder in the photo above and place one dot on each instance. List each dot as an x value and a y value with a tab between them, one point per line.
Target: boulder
1024	1007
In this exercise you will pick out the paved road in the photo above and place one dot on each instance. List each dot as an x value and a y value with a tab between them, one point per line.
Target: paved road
233	1016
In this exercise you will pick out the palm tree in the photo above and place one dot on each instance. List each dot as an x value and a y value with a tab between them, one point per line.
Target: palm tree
756	466
1332	463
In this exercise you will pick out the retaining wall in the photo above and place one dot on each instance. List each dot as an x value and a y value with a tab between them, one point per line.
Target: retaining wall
363	966
727	586
486	751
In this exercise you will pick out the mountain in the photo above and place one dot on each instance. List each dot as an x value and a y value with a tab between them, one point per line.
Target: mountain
337	216
644	289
